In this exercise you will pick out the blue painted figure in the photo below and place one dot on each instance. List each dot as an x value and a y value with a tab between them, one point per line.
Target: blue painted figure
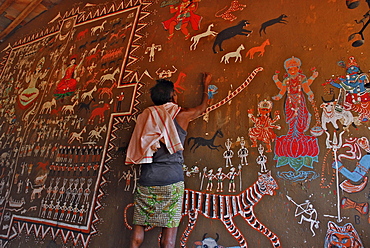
212	90
362	167
356	84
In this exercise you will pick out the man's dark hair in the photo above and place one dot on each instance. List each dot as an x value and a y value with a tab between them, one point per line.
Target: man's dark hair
162	92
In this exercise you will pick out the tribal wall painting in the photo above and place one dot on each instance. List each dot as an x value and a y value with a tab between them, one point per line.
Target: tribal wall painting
287	117
60	88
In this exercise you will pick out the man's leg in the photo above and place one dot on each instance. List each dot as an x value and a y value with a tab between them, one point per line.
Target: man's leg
168	238
137	236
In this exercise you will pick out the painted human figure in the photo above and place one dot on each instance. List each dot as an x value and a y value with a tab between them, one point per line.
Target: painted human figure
69	210
29	95
74	214
128	178
43	208
50	209
228	154
261	159
63	210
210	177
243	152
183	15
165	73
263	125
231	176
309	214
81	212
56	212
120	99
356	85
68	84
295	148
220	176
151	50
362	167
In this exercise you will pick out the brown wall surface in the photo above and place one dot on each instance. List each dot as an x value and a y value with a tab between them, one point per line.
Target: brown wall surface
65	125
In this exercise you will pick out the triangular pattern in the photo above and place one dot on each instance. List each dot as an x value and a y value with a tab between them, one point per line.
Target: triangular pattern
13	233
37	229
112	9
44	231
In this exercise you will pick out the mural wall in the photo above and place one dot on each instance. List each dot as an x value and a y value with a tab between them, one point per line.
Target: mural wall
279	159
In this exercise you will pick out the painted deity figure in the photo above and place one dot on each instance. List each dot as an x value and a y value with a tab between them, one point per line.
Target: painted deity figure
295	148
362	167
68	84
263	124
30	94
355	84
183	15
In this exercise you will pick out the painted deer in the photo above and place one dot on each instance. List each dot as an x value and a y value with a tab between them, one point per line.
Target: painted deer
69	108
114	35
46	107
88	94
98	112
235	54
36	192
107	91
260	49
109	76
81	35
77	136
93	50
92	80
99	27
95	133
195	39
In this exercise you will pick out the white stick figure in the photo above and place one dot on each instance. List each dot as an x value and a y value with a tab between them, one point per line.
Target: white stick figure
309	214
231	176
261	159
243	152
210	177
165	73
151	51
228	154
220	176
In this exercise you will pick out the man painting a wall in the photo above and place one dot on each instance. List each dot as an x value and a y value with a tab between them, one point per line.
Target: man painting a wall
157	144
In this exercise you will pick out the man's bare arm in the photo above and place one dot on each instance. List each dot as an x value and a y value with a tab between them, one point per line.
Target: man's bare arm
188	114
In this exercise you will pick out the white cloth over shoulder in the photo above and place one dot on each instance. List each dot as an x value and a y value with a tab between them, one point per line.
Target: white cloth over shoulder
154	124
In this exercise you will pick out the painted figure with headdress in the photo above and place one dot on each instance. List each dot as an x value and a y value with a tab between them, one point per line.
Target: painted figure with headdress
356	86
183	16
296	148
264	126
29	95
68	84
